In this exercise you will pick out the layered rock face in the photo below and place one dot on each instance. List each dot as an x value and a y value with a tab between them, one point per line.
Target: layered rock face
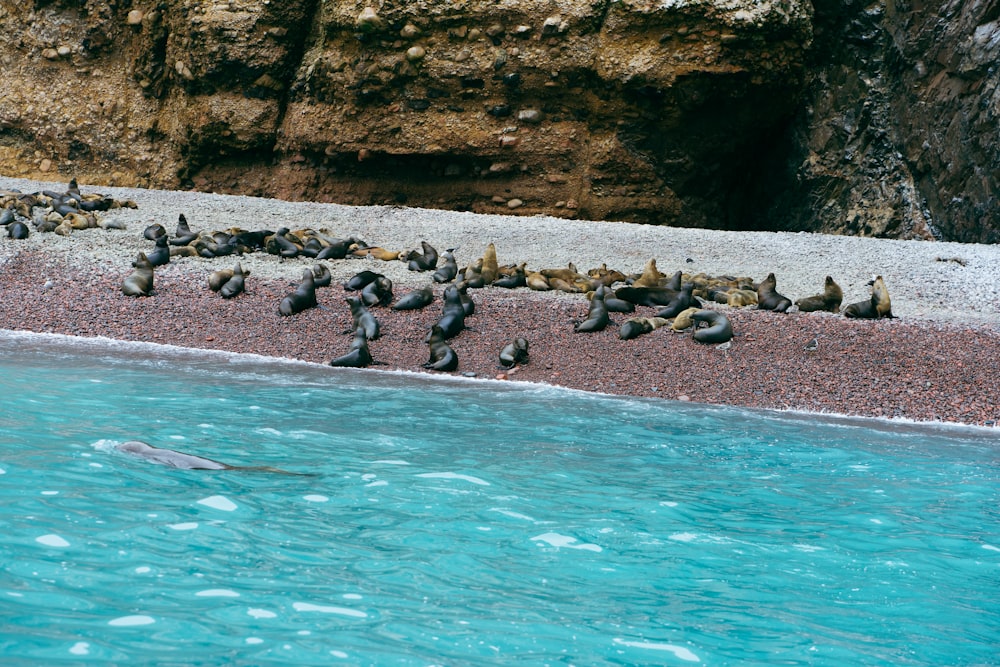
734	114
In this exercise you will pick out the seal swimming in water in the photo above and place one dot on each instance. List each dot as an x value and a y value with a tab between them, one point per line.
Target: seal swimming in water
514	353
768	297
443	357
829	300
175	459
303	297
140	281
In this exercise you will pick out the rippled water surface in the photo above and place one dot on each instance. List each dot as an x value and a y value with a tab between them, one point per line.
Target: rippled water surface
467	523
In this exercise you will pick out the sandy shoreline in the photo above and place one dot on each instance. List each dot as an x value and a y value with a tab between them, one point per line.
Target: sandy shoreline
937	362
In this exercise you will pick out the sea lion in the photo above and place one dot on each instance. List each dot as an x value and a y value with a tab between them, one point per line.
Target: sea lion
682	301
472	276
160	254
7	216
738	298
453	313
183	234
140	281
877	306
514	353
359	355
378	292
448	269
283	246
650	277
321	275
377	253
536	281
490	270
363	318
637	326
683	320
768	297
513	278
360	279
468	305
597	316
336	249
829	300
442	356
302	298
175	459
425	261
719	329
613	303
646	296
216	279
17	230
415	300
236	283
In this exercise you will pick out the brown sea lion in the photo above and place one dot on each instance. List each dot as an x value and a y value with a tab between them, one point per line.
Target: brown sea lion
140	281
216	279
490	270
651	276
877	306
829	300
683	320
768	297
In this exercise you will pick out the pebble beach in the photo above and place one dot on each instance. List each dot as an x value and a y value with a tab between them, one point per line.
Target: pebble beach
937	360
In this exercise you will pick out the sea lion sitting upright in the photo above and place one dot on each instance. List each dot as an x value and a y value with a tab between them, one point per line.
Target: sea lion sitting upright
651	276
321	275
235	285
378	292
359	355
514	353
140	281
768	297
302	298
597	316
160	255
452	313
877	306
443	357
363	318
183	234
425	261
448	269
490	270
829	300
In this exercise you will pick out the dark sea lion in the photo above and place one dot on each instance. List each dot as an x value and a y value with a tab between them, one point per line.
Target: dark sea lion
613	303
140	281
321	275
468	305
378	292
682	301
183	234
638	326
448	269
6	216
597	316
768	297
646	296
175	459
17	230
515	277
877	306
719	329
336	248
360	279
426	261
453	313
443	357
285	247
514	353
302	298
359	355
363	318
415	300
154	231
829	300
472	276
160	254
235	285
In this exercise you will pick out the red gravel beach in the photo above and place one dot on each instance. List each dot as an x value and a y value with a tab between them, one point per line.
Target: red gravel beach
896	368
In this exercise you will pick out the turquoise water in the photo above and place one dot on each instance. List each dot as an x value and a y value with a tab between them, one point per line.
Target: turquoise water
461	523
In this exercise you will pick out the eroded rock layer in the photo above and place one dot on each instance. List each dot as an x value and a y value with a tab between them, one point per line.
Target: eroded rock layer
737	114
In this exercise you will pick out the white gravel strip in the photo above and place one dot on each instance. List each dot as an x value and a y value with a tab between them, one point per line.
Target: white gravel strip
952	282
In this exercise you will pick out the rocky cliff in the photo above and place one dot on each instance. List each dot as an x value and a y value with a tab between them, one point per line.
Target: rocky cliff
834	116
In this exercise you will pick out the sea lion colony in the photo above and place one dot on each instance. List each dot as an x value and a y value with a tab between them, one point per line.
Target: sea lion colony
680	298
